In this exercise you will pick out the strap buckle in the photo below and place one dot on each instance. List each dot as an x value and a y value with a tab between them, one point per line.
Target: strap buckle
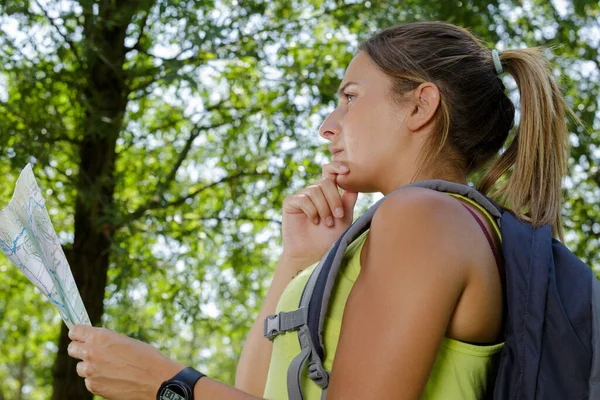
272	326
276	324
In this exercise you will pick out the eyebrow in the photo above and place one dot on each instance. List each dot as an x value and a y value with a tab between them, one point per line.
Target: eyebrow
344	86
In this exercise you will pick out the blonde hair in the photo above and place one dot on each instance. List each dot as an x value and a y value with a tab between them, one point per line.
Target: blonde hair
538	154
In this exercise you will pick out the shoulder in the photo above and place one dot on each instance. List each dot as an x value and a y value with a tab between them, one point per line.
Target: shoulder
422	218
409	284
427	203
421	234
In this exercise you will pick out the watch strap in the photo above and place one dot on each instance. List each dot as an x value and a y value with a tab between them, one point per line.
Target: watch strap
189	376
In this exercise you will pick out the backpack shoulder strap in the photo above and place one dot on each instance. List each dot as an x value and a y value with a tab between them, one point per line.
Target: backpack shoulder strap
315	300
309	318
464	190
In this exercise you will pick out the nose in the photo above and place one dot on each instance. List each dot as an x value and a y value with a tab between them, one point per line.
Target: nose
331	126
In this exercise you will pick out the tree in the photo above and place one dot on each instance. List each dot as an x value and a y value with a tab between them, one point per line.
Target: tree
166	134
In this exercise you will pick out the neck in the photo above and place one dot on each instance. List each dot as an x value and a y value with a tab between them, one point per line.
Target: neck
447	175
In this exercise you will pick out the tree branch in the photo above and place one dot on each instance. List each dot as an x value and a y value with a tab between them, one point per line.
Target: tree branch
15	113
169	123
143	25
155	204
165	63
168	63
65	139
191	231
193	135
164	185
300	21
142	90
65	37
240	218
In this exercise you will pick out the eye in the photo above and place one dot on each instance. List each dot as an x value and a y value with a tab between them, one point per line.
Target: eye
349	97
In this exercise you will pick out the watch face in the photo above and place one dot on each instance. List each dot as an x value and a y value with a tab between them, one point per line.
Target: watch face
172	391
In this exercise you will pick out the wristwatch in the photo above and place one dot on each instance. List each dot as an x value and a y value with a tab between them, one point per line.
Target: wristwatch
181	386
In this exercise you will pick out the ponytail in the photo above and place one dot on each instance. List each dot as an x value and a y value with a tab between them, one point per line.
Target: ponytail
476	117
538	153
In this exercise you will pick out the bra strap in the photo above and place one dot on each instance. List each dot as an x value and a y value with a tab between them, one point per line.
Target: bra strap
490	241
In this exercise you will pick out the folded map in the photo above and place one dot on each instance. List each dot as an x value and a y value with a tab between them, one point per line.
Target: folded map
28	239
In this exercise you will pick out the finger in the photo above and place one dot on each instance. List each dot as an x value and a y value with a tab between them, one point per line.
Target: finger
317	197
80	332
332	195
84	369
333	169
77	350
93	386
302	203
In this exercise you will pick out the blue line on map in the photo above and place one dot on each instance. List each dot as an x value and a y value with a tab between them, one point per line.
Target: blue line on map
42	206
13	249
32	199
56	301
28	210
62	292
29	213
66	311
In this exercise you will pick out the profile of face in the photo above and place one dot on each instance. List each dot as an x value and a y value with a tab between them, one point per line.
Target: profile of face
377	138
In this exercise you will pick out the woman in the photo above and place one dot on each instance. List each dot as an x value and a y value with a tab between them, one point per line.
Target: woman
420	293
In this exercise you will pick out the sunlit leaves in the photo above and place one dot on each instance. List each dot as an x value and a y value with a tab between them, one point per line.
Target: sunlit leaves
224	102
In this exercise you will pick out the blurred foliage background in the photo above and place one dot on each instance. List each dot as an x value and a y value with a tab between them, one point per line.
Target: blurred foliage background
165	134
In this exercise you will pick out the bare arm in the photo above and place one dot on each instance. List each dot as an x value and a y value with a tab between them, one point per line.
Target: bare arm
400	270
413	274
207	388
306	237
253	366
403	284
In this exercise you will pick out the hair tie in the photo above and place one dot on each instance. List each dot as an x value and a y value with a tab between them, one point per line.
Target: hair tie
497	63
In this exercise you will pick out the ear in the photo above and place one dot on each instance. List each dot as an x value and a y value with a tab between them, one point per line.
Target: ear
425	101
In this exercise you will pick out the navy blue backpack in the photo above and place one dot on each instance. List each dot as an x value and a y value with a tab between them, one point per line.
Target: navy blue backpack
552	325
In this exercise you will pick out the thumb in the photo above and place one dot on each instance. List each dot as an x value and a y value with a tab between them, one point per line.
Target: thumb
349	201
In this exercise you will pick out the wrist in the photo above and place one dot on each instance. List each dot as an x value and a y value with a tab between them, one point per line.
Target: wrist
167	371
293	264
181	386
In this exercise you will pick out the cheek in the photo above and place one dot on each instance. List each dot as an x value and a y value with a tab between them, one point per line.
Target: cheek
371	136
371	149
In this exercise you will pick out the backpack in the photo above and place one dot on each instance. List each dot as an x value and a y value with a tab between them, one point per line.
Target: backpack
552	319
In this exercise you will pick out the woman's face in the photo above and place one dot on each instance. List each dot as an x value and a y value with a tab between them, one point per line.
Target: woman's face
368	133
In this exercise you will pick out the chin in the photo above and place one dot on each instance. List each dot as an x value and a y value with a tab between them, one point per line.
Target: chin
346	182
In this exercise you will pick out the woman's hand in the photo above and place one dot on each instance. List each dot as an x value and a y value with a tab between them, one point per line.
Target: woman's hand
312	221
118	367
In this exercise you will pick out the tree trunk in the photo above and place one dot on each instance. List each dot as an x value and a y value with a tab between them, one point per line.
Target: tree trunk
105	95
22	370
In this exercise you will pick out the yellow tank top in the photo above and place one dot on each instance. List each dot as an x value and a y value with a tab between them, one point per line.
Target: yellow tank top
460	370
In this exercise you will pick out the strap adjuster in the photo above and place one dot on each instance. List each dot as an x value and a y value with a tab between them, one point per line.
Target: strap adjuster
284	322
317	373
